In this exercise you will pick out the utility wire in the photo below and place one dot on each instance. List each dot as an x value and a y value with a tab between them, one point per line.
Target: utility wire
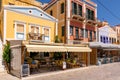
108	10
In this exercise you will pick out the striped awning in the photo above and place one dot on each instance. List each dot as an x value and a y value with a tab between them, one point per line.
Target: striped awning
45	48
54	48
78	49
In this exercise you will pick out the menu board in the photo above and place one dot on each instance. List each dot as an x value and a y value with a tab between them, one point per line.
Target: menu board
25	70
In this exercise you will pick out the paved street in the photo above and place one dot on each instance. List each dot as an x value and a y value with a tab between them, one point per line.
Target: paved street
104	72
5	76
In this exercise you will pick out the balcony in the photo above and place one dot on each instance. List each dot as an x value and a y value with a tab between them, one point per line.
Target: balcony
91	39
78	17
74	42
92	22
36	37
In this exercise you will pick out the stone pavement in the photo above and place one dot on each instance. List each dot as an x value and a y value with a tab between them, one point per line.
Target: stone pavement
5	76
104	72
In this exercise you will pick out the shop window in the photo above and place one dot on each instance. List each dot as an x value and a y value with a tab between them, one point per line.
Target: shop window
62	8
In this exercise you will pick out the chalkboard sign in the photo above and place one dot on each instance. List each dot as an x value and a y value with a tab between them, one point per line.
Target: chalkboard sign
25	71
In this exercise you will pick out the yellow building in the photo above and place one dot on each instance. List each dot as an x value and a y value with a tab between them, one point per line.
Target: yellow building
26	23
18	3
25	20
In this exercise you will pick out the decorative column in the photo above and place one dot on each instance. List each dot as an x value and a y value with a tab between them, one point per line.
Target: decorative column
56	28
68	3
84	22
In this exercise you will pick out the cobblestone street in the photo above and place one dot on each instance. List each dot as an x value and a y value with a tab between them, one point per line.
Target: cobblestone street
104	72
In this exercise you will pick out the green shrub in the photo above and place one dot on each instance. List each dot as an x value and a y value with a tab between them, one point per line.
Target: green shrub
6	53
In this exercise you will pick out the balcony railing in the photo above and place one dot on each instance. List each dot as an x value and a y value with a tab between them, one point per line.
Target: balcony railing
74	42
78	17
36	37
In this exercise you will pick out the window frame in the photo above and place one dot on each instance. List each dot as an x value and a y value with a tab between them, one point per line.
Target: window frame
76	34
90	14
71	31
15	29
80	10
62	30
86	33
51	12
74	10
62	8
43	32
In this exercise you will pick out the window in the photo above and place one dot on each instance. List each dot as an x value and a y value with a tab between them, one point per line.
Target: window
95	34
89	14
71	30
51	12
101	38
46	34
106	40
80	10
110	40
90	35
63	30
82	32
62	8
74	8
20	32
86	33
77	33
34	29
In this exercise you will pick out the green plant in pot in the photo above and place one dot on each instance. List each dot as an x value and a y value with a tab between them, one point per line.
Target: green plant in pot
57	40
6	56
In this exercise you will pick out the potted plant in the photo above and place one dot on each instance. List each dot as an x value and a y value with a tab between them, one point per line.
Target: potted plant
6	56
57	40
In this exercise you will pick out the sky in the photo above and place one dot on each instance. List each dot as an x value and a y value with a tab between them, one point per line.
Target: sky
111	14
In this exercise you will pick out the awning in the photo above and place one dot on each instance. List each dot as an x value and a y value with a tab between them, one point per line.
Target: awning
45	48
78	49
103	45
53	48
